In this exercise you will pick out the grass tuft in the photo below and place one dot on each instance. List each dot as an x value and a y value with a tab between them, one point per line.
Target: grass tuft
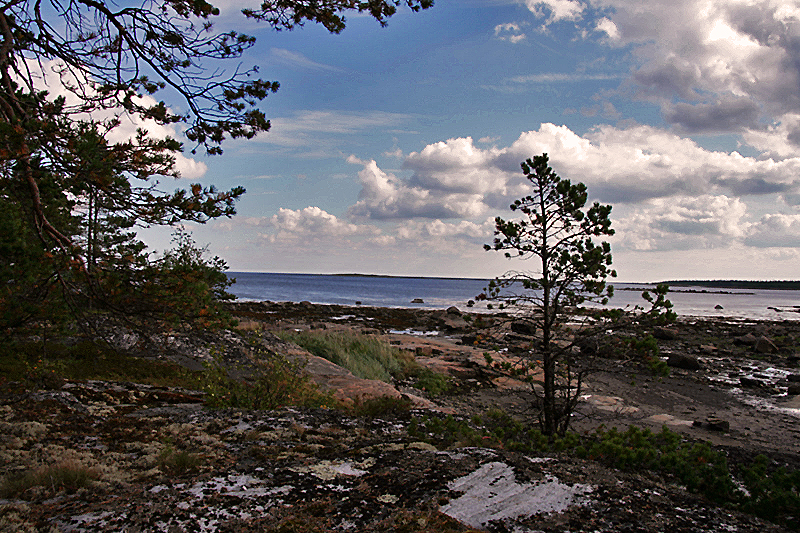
370	357
178	461
67	476
365	356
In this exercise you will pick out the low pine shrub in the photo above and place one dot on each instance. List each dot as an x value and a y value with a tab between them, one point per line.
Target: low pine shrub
773	494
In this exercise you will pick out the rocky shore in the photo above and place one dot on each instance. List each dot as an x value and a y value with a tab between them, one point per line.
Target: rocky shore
160	460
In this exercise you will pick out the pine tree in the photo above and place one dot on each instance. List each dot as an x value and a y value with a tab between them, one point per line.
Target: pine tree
557	232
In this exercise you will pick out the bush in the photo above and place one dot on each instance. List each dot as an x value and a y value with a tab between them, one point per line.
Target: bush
774	496
382	406
275	382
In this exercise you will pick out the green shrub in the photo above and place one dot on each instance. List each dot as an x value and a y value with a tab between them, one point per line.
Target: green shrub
449	432
382	406
434	383
774	496
658	366
642	348
274	382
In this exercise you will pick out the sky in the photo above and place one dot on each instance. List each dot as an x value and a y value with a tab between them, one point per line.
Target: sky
392	149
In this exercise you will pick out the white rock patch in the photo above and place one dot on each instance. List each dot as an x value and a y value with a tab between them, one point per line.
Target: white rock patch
492	493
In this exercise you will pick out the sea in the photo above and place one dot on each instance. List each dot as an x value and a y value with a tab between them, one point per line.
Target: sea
441	293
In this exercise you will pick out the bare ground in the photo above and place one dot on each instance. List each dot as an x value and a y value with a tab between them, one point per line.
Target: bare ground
321	470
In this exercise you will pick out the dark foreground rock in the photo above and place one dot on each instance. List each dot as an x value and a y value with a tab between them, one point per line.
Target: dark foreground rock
310	471
162	461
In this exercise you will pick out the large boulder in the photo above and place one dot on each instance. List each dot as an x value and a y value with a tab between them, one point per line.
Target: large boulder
684	361
746	340
666	334
765	345
523	327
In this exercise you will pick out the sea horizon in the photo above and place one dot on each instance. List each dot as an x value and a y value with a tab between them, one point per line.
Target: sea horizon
431	292
477	278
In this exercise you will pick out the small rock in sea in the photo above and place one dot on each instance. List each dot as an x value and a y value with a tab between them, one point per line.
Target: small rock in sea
686	362
453	310
718	307
358	302
417	301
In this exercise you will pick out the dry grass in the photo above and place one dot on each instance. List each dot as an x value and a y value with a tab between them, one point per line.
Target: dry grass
68	476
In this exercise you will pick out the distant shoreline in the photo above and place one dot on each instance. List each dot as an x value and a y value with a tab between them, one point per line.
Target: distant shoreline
786	285
354	275
687	291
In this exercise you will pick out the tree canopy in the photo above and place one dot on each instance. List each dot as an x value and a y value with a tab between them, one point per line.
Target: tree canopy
72	198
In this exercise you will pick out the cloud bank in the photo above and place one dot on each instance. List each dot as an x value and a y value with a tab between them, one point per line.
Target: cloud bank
712	68
668	193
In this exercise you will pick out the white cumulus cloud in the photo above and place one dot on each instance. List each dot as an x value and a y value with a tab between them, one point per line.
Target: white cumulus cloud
728	62
556	10
313	223
775	230
683	223
384	196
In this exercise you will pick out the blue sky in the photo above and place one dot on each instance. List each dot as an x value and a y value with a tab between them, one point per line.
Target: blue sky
392	149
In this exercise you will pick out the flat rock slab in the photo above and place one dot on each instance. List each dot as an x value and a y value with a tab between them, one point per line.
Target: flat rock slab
492	494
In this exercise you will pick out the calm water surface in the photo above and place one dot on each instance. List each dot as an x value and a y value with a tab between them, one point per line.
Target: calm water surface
440	293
